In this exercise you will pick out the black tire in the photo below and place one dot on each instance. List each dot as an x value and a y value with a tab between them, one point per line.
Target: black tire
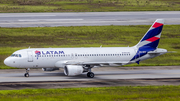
90	74
26	75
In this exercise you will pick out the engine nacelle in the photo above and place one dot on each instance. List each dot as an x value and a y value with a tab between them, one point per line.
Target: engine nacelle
50	69
72	70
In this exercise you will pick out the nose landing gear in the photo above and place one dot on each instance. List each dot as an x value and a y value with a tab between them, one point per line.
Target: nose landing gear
27	72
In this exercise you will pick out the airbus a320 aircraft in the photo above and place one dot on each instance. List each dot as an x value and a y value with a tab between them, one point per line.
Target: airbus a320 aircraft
76	61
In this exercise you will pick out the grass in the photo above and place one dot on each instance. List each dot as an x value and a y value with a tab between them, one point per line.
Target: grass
138	93
87	5
12	39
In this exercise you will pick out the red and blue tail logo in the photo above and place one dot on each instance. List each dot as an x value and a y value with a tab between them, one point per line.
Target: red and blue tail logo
150	40
152	37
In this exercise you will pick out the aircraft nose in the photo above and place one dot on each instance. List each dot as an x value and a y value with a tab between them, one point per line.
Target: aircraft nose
7	62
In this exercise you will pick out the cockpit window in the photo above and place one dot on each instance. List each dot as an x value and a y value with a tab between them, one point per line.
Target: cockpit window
13	55
16	55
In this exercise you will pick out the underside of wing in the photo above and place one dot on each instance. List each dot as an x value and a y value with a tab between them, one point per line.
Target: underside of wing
102	63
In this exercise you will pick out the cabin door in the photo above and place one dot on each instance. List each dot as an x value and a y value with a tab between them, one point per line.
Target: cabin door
30	56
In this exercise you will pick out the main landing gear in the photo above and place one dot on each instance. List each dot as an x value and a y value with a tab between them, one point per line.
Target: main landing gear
27	72
90	74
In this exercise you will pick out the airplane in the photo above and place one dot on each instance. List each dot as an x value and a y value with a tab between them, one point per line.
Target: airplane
76	61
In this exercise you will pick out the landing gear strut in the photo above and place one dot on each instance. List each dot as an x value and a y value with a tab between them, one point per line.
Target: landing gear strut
27	72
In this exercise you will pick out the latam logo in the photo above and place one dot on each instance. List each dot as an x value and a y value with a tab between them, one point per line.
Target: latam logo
48	53
37	52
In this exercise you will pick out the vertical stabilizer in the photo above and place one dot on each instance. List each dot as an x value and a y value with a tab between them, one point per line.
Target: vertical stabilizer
152	36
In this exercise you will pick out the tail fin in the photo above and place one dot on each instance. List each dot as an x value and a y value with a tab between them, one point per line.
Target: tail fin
152	36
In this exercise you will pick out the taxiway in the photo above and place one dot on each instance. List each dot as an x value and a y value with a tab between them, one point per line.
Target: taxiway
104	76
86	18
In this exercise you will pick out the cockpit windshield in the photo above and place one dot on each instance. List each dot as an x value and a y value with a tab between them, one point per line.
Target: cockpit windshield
16	55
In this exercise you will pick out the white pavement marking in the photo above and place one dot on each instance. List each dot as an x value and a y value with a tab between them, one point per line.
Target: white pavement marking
49	19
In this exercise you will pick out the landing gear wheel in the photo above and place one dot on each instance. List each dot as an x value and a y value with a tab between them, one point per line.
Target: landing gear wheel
26	75
27	72
90	74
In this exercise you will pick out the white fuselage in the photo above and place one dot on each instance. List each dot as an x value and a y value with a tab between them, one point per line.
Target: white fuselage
51	57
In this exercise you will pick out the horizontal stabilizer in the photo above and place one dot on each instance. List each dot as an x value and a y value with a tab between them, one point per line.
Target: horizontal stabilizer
158	51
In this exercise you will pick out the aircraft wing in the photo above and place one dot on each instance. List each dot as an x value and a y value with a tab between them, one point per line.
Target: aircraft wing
102	63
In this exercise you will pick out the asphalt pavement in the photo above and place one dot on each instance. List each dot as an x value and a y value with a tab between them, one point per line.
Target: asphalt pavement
87	18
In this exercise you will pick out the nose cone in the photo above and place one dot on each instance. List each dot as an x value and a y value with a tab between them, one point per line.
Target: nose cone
7	62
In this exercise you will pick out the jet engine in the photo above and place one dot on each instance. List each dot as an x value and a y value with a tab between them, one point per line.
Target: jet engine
50	69
72	70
